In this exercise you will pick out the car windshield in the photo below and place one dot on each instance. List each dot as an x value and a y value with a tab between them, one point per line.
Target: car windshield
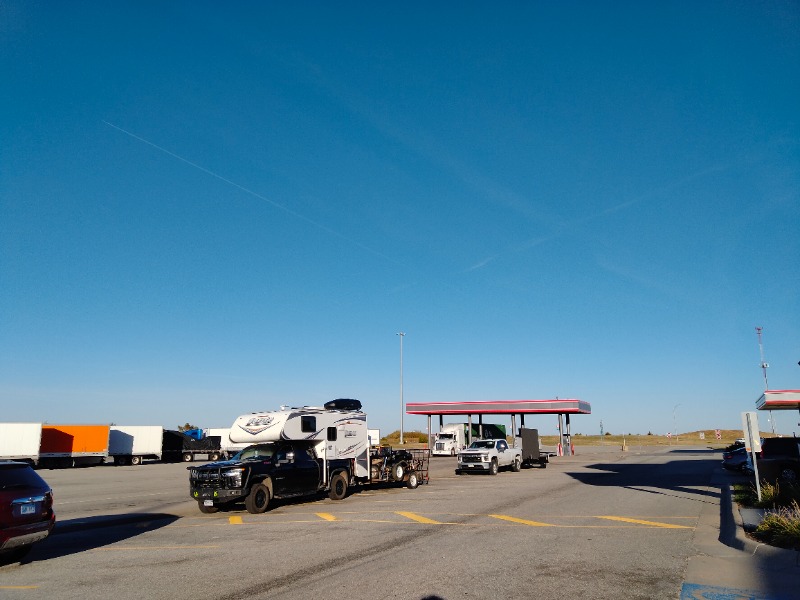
481	444
256	452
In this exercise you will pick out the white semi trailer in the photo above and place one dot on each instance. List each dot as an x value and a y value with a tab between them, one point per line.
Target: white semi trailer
20	441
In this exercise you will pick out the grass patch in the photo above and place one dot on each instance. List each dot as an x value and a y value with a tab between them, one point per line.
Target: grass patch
781	526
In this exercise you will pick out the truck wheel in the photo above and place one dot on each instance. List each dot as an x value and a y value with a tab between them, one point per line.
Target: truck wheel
214	456
136	460
257	500
413	481
397	472
338	487
517	465
459	472
452	451
207	510
187	456
493	467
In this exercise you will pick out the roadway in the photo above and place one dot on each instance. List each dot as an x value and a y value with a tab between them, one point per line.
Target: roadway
602	524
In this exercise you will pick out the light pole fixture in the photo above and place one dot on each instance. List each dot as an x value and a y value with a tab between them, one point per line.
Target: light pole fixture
402	405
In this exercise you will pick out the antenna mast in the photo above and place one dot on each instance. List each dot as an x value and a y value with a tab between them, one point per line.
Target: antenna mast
764	367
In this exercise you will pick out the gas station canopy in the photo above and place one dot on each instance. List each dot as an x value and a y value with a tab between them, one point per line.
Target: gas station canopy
569	406
779	400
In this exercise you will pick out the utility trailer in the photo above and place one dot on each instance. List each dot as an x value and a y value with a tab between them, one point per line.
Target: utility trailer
531	452
399	466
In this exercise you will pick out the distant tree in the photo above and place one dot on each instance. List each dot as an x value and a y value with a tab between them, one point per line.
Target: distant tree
608	433
649	433
187	427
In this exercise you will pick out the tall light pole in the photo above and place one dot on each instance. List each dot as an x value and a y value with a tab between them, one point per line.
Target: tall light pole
675	421
402	405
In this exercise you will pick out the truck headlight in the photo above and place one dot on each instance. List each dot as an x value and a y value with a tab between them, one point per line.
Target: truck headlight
234	476
485	457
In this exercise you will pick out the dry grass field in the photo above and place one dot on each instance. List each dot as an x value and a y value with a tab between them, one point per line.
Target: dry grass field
707	437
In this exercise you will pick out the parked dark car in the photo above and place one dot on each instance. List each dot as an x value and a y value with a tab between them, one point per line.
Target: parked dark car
735	459
26	510
779	459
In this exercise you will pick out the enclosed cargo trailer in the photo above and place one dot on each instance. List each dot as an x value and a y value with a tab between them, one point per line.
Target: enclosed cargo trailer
73	445
20	441
131	444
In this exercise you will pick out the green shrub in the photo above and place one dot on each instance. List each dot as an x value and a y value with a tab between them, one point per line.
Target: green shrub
781	528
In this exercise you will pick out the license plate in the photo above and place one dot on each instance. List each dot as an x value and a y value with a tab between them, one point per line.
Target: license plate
208	503
27	509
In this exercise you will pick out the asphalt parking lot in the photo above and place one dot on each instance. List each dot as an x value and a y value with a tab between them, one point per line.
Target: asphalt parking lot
599	525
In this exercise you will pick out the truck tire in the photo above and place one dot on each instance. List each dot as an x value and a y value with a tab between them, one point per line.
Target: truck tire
516	465
257	500
338	487
214	456
206	510
413	481
398	471
136	460
187	457
493	467
452	451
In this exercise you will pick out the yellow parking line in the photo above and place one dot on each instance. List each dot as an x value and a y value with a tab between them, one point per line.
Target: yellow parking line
327	516
113	548
417	518
235	520
19	587
641	522
522	521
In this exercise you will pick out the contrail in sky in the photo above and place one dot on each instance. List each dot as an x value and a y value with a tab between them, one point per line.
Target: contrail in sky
255	194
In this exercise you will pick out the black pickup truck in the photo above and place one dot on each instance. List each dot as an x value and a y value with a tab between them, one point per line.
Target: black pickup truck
265	471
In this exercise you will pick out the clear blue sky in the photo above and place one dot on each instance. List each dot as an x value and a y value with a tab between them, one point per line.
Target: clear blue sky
209	209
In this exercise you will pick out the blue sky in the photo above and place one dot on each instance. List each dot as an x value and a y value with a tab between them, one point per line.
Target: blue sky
208	210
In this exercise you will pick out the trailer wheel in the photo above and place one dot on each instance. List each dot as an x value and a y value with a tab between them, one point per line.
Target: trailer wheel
136	460
214	456
413	481
187	456
257	500
398	471
338	487
207	510
493	467
517	465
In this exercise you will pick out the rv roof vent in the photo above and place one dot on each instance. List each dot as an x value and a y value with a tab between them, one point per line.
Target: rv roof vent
343	404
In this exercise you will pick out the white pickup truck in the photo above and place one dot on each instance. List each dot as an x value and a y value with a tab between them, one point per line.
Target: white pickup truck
489	456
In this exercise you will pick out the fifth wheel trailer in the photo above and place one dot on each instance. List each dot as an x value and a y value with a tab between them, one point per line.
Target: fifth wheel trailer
20	441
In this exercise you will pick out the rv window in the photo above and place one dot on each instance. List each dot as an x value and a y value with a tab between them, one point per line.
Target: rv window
331	434
308	424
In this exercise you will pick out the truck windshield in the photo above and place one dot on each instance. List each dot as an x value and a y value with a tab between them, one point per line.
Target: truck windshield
445	436
482	444
256	452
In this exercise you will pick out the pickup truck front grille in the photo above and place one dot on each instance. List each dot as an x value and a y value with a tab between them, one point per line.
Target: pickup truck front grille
203	477
471	458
